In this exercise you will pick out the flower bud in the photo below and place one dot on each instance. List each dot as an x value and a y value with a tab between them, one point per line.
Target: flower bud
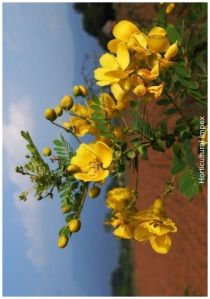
76	91
67	125
170	7
66	102
46	151
50	114
62	241
74	225
94	192
83	90
58	110
118	132
72	169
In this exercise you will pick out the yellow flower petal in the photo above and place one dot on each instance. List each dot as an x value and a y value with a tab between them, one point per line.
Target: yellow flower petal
112	45
141	39
119	198
141	234
107	77
156	90
83	157
140	90
161	244
92	177
104	152
124	231
124	29
157	31
172	51
123	57
117	91
109	61
157	43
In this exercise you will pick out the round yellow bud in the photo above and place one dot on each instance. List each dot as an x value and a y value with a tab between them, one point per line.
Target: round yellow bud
62	241
66	102
58	110
50	114
76	90
67	125
158	204
46	151
140	90
72	168
94	192
117	132
83	90
74	225
170	7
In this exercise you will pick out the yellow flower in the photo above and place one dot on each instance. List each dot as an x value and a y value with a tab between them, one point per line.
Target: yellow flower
156	90
122	229
154	226
93	161
157	40
119	198
122	32
149	75
81	124
170	7
109	105
113	67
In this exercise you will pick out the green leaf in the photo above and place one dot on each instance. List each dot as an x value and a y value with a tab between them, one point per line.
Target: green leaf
188	185
170	111
96	107
133	103
163	102
173	34
177	165
163	128
187	83
57	142
95	99
182	71
107	134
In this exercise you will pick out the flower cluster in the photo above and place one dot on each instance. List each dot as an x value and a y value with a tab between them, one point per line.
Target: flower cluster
151	225
134	64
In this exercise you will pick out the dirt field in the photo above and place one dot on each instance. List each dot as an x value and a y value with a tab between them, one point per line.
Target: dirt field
184	268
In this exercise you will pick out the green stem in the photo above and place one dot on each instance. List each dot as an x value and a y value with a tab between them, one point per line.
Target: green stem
75	136
133	147
82	201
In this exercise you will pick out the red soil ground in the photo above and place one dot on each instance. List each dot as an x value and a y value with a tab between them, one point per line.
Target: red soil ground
185	266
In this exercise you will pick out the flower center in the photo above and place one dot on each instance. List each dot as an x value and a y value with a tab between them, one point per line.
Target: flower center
95	166
156	223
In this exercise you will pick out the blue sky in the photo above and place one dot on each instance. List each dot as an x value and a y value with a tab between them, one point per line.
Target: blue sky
43	50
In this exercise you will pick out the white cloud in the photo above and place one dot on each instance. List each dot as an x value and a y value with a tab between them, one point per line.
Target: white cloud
20	117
